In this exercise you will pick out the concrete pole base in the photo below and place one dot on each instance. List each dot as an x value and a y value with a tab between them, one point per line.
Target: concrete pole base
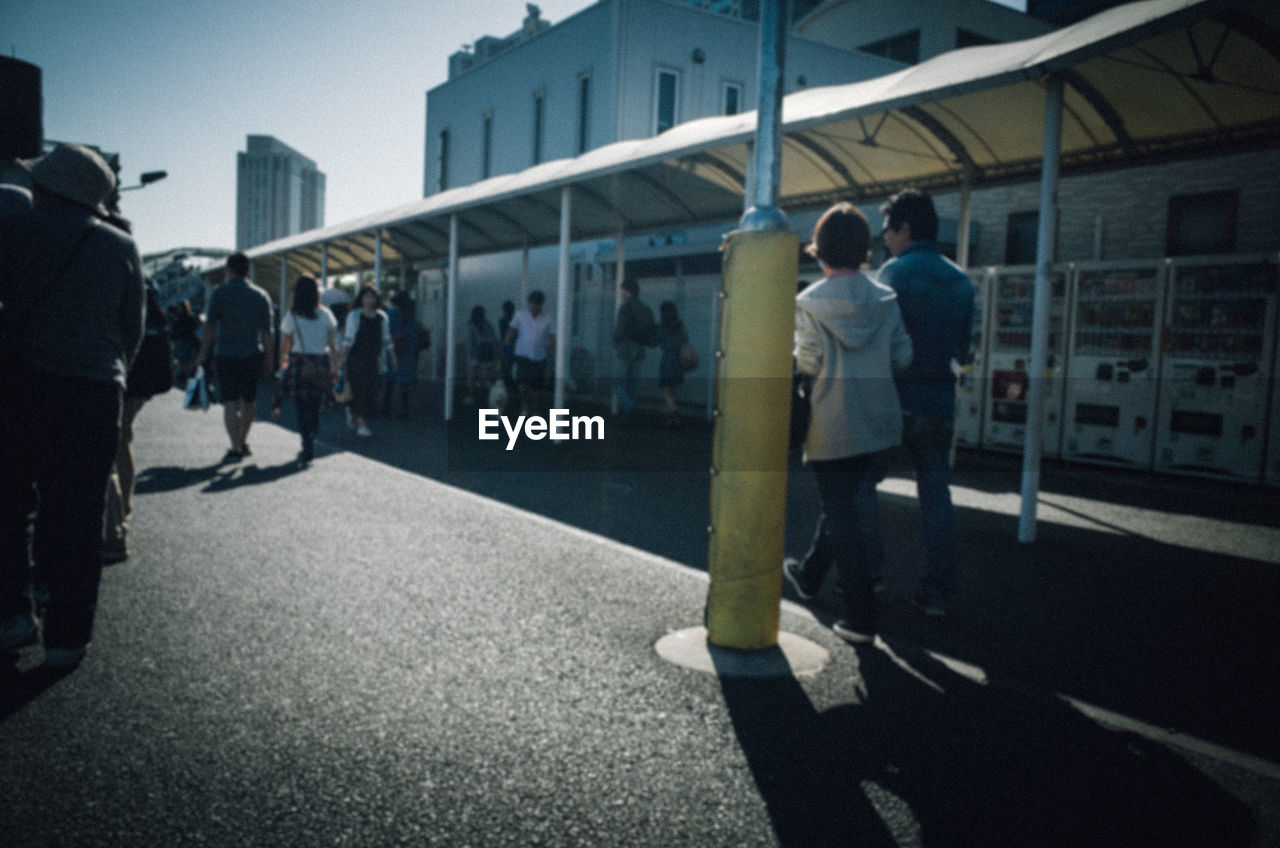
794	656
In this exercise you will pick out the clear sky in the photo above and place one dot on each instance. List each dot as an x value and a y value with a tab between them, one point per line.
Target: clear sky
176	85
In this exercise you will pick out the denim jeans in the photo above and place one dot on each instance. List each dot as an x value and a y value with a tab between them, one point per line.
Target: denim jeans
60	436
849	530
928	442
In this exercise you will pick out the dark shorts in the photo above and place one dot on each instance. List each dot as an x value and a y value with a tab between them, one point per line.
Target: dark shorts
238	377
531	373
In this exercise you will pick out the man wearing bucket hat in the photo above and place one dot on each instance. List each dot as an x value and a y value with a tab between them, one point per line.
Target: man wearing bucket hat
72	289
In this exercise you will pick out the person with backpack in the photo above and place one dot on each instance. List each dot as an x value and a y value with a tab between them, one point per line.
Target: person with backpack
150	374
405	337
633	330
73	293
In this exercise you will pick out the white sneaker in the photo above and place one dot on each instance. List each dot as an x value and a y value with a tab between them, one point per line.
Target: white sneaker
364	431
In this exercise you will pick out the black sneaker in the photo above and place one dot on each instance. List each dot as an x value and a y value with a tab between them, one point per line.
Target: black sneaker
931	609
858	634
231	456
791	569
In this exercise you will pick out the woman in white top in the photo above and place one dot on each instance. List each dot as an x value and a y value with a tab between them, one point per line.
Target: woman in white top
308	346
364	344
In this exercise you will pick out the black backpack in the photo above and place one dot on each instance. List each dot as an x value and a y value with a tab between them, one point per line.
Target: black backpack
645	331
152	370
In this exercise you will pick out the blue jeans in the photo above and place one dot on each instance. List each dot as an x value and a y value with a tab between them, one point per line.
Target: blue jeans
927	439
849	530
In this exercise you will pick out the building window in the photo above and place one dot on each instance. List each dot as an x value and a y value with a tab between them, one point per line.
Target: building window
903	48
1202	223
666	100
486	145
539	117
731	99
584	113
965	38
444	160
1020	239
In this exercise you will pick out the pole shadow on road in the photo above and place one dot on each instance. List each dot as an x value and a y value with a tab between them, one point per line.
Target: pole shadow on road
931	757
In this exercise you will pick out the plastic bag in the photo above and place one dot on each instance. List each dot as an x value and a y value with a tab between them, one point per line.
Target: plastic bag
197	396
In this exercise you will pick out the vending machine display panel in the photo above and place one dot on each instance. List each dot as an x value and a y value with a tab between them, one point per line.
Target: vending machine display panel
1215	375
1009	353
1114	356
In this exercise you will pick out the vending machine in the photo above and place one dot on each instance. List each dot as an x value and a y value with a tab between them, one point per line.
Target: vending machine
971	378
1005	417
1216	371
1114	354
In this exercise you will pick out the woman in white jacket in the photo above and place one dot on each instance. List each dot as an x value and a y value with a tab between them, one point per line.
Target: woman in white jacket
366	340
849	339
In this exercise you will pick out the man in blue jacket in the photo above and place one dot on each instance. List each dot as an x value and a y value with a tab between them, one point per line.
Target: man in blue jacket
936	299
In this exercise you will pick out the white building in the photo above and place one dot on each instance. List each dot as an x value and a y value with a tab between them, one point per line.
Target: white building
617	70
279	192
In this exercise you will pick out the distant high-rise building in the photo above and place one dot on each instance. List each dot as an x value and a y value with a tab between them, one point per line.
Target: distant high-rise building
279	192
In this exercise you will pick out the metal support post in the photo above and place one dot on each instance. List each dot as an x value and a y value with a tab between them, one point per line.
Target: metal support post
619	275
962	226
450	312
562	297
1040	310
377	260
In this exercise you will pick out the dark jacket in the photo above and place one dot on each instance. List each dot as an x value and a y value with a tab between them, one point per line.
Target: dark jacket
90	322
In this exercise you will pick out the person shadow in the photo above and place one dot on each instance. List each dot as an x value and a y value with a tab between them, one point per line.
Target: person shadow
926	755
20	687
171	478
216	478
233	477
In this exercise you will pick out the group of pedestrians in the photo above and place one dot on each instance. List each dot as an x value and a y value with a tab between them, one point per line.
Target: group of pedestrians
634	330
374	355
878	354
511	364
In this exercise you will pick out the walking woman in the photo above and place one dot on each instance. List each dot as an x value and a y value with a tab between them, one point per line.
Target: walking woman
849	338
672	336
366	341
307	345
482	356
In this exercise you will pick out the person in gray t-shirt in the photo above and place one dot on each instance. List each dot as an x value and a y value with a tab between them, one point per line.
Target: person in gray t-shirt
239	320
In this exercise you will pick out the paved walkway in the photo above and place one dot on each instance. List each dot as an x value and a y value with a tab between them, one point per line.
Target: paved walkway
372	651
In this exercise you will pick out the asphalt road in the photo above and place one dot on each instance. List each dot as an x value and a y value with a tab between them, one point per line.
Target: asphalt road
395	647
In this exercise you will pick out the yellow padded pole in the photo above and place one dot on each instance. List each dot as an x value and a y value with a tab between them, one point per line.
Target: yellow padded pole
749	456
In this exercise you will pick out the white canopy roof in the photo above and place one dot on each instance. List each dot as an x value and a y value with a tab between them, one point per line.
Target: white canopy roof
1144	81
